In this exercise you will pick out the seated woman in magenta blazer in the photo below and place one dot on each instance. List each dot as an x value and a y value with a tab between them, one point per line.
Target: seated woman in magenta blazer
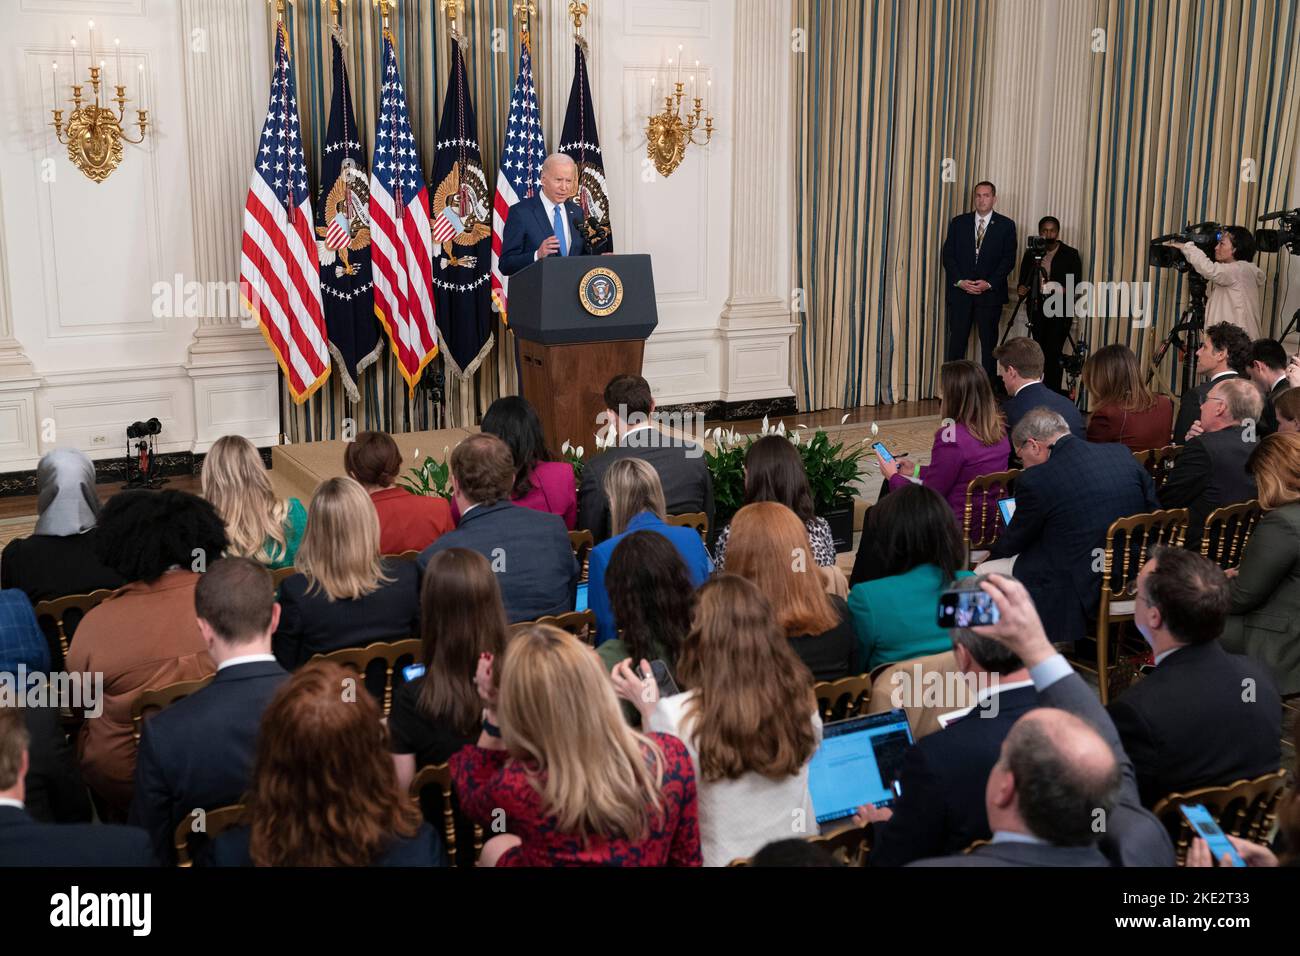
971	440
407	522
1123	408
540	482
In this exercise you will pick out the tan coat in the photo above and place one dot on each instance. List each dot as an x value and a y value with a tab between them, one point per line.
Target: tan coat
142	637
1236	290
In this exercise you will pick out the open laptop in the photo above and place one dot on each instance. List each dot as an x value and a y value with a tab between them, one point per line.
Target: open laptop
859	761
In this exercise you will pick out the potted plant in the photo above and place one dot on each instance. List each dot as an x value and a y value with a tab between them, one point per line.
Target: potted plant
431	480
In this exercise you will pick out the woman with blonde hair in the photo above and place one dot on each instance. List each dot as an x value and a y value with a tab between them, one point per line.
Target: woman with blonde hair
636	503
769	546
1264	614
970	441
344	594
324	792
259	525
1124	409
749	719
574	784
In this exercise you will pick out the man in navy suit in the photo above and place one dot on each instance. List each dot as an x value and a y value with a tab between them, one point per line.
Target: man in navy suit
1020	366
978	255
528	550
941	807
198	753
1068	495
25	842
1189	723
545	224
1131	835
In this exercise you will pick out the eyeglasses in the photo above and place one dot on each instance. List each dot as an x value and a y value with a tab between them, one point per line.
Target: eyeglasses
1215	398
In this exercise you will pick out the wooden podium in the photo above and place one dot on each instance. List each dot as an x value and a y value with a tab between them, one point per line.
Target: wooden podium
567	351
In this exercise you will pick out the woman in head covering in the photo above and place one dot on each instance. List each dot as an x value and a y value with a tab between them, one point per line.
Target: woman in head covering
59	557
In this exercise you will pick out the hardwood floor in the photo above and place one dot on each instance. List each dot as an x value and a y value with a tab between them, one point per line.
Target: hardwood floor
24	506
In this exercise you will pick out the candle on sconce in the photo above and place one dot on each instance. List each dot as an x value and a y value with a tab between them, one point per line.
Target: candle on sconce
117	66
679	63
74	58
143	104
90	25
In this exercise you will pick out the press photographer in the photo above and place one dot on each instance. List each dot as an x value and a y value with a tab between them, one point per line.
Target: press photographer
1235	283
1055	262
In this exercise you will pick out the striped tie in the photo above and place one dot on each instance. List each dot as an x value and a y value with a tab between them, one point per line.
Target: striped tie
979	238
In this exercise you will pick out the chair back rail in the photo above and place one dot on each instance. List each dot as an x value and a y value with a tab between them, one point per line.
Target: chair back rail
215	822
360	659
982	524
692	519
439	775
160	698
581	624
843	698
1226	531
57	612
1245	809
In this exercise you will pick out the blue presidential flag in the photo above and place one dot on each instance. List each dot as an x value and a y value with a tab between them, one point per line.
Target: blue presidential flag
343	238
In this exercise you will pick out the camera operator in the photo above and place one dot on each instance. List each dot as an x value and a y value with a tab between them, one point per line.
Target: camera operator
1059	262
1235	282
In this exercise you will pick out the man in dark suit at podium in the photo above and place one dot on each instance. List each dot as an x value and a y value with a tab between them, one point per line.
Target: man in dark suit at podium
978	255
545	224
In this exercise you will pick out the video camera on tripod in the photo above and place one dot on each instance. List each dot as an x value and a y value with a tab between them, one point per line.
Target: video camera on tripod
1273	240
1205	235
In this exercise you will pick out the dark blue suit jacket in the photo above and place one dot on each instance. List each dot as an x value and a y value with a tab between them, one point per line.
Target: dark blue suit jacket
529	551
941	809
1038	395
24	842
527	228
423	849
198	753
996	260
1063	508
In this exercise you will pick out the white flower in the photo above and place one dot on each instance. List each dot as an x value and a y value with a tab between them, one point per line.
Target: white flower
580	450
765	426
416	456
564	449
845	418
780	428
875	429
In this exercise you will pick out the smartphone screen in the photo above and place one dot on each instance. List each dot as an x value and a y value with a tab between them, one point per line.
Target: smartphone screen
882	451
967	609
664	678
1008	508
412	672
1207	828
580	601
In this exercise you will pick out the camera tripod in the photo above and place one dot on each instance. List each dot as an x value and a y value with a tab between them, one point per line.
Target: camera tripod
1032	300
1192	321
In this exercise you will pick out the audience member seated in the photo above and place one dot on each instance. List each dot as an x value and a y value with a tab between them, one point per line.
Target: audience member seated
198	753
1124	409
576	785
345	593
1264	592
1020	366
59	557
324	791
1133	836
1069	494
407	522
461	619
793	853
651	595
258	524
770	547
774	472
1267	370
918	552
749	720
542	482
1287	408
971	440
636	503
26	842
1190	722
1224	352
1211	470
54	792
941	806
145	635
528	550
1055	777
683	471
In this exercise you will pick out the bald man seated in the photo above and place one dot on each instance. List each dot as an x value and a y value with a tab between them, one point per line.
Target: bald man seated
545	224
1048	797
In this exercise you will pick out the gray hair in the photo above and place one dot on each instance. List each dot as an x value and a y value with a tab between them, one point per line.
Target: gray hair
559	158
1242	398
1039	424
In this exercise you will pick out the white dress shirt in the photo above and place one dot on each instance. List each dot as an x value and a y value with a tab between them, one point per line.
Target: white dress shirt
550	219
246	659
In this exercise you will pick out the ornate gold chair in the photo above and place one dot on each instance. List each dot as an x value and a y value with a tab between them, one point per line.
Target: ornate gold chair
440	775
982	524
581	624
57	611
215	822
1226	531
692	519
1245	809
155	699
843	698
360	659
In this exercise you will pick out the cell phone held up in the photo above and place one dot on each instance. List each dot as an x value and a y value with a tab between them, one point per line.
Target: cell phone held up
967	608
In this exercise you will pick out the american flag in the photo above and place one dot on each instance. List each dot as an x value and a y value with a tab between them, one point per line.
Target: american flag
522	155
401	249
279	276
